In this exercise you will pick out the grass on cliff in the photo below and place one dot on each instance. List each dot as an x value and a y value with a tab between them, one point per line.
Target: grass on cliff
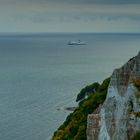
137	136
86	91
74	127
136	83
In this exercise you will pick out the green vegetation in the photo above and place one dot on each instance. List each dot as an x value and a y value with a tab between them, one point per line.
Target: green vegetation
131	59
137	83
137	94
74	127
137	136
137	114
87	91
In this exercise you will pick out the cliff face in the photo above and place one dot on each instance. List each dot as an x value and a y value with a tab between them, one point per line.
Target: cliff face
118	118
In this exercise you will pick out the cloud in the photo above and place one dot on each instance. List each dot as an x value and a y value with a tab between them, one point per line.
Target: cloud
71	1
93	15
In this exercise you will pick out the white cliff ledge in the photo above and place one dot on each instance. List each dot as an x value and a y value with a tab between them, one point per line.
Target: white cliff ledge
118	118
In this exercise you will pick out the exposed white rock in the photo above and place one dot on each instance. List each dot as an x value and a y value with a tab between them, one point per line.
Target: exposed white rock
117	119
103	135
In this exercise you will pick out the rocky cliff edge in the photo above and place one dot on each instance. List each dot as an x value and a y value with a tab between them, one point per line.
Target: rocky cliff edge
119	117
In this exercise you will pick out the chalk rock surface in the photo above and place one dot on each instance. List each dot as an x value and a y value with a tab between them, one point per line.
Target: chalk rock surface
119	117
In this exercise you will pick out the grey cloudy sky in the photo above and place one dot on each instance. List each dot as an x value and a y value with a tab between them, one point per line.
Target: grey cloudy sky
69	15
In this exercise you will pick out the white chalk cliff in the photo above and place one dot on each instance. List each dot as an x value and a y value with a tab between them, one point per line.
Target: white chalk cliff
118	118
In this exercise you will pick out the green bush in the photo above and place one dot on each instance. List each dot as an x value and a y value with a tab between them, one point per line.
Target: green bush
136	83
87	91
137	136
103	87
74	127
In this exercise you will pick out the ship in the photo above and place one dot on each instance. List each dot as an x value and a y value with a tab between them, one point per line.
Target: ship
79	42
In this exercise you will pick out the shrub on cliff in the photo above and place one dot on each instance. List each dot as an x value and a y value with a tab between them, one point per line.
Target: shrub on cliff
87	91
103	87
136	83
74	127
137	136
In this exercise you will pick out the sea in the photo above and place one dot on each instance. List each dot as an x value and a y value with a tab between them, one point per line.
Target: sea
41	75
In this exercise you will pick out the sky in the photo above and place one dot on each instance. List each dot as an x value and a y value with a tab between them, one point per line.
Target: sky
70	16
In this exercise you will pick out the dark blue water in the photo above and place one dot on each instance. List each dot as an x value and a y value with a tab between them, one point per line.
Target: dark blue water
41	73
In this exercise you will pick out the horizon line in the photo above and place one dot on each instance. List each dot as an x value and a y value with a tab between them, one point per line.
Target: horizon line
35	33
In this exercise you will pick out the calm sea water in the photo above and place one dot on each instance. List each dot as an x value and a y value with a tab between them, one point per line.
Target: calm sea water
41	73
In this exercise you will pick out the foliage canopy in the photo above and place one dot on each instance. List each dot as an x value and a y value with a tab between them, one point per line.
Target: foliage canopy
74	127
